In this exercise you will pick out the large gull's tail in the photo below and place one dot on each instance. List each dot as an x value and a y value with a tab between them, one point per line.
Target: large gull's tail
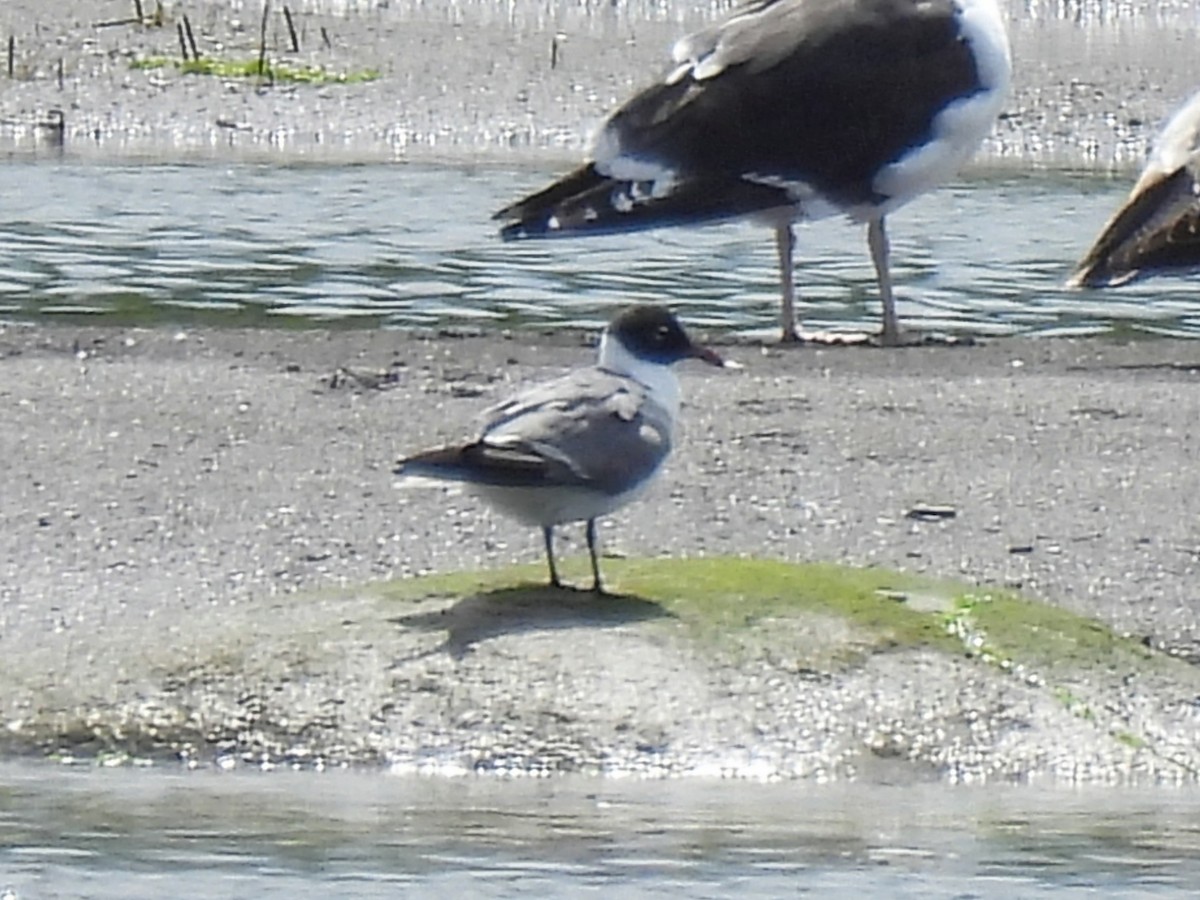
587	202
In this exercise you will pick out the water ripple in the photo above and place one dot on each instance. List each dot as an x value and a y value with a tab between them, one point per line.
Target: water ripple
406	245
112	833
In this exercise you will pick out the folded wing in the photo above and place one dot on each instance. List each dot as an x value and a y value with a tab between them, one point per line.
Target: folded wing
590	429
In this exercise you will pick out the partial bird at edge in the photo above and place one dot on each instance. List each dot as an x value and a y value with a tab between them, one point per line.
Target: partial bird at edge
1157	229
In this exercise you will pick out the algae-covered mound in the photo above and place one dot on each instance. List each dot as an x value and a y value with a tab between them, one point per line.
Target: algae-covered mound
733	667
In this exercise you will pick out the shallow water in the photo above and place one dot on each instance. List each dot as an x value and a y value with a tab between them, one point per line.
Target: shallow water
87	832
410	245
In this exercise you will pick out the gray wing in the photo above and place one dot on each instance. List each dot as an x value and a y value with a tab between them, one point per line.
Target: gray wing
589	428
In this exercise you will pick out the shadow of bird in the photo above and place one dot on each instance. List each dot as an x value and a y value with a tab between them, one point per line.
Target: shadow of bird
524	609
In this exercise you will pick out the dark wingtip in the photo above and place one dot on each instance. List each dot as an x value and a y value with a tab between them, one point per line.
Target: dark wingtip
528	217
430	463
404	467
1099	271
518	222
1083	282
533	230
1078	281
513	231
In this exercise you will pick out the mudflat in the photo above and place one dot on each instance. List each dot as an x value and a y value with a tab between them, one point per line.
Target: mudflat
507	82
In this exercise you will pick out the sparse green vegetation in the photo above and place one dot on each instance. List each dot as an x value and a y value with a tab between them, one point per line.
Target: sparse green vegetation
249	68
1011	628
1074	705
1129	739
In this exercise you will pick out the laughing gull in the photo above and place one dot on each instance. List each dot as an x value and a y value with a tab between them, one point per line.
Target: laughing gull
1158	227
791	110
582	445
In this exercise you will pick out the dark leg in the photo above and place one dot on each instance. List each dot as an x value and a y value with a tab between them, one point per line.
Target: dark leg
785	245
591	542
878	241
548	534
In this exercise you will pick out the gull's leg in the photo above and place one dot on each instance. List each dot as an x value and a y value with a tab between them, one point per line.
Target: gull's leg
878	241
785	245
548	534
591	542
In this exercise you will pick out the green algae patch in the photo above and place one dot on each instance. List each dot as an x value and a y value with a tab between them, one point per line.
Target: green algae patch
847	613
249	68
1004	628
716	595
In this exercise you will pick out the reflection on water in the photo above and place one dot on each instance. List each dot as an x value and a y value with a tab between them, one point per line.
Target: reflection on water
100	833
404	245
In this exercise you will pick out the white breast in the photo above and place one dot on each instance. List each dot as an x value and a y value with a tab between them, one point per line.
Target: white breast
959	128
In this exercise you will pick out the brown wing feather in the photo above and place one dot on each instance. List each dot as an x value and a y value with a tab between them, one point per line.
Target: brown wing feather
1157	229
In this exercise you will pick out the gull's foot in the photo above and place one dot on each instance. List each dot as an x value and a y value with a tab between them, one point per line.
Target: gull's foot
827	338
923	339
595	589
801	337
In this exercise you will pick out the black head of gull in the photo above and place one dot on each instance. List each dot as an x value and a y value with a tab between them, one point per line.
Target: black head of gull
1157	228
653	335
791	110
580	446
